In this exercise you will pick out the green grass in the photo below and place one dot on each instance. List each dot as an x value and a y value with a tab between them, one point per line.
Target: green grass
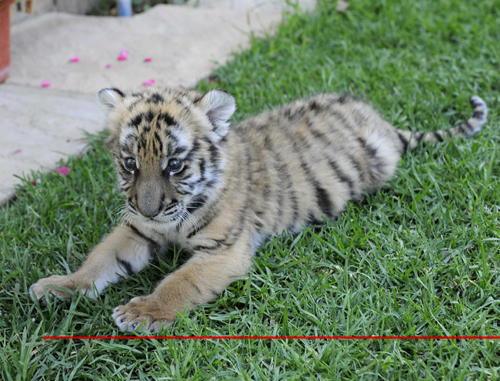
420	257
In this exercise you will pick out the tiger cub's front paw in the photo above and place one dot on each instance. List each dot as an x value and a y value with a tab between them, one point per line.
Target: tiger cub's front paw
45	285
147	309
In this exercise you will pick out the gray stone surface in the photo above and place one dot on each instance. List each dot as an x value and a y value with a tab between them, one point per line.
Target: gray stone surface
46	125
183	43
261	6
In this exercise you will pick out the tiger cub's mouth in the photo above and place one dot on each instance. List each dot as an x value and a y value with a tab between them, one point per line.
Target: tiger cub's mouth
172	213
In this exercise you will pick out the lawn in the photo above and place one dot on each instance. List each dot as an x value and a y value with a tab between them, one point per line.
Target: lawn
420	257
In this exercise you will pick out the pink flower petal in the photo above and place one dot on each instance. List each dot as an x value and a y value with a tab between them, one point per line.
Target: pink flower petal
80	154
18	150
211	80
46	84
109	66
75	59
121	57
38	181
147	59
63	171
69	140
124	52
151	82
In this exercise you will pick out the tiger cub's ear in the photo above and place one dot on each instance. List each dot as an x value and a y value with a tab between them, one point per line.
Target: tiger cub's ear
109	98
219	106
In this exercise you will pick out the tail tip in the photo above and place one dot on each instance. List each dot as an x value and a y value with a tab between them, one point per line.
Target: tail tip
477	101
475	123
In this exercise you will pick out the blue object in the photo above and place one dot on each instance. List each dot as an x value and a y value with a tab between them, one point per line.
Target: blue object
124	8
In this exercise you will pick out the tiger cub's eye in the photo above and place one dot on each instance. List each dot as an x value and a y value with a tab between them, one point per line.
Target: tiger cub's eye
175	165
129	164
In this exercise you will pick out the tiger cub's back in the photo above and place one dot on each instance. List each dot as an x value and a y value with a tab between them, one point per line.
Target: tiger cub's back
310	157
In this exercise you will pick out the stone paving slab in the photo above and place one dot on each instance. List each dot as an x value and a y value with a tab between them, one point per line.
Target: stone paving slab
261	6
183	42
46	125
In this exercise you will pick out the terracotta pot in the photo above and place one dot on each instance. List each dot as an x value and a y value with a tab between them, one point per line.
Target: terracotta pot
4	39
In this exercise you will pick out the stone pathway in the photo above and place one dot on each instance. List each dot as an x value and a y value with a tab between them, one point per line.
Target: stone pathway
39	126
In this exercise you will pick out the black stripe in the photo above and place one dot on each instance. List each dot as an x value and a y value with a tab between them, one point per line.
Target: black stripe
167	118
178	151
197	202
343	99
155	98
419	136
209	216
356	166
218	244
147	239
345	123
285	182
211	183
199	227
202	170
259	225
126	265
371	152
313	220
149	116
136	121
478	114
325	140
438	136
127	149
122	94
214	151
196	147
343	177
214	293
369	149
314	106
324	202
403	140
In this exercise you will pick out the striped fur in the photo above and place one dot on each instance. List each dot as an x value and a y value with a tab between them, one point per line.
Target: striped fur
282	169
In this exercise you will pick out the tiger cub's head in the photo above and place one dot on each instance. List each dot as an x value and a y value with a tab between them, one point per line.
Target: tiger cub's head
169	149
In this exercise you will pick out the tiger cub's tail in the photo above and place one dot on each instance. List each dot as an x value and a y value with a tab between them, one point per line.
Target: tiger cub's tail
469	128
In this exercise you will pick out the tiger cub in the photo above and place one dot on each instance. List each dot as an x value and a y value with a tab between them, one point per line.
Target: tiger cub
218	190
